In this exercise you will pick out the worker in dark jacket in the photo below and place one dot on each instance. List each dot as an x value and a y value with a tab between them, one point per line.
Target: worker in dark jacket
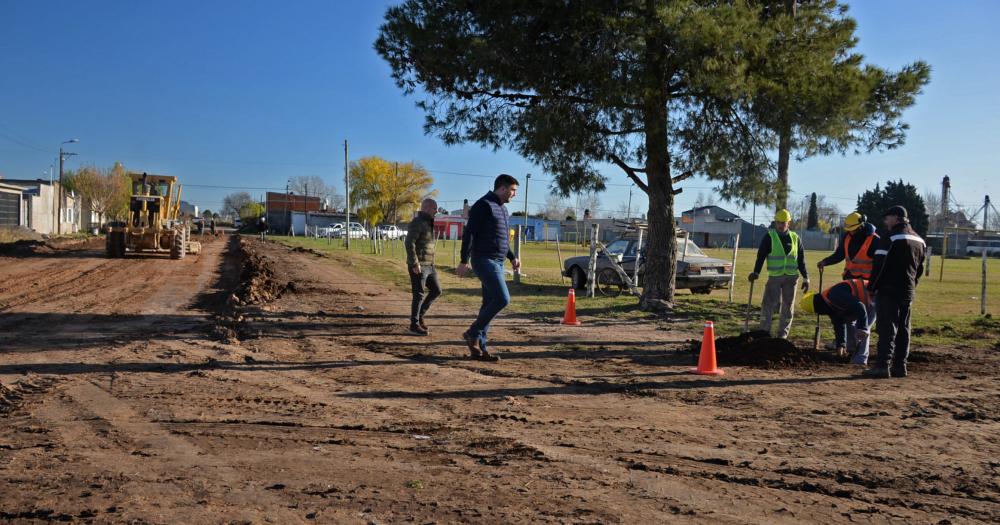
785	261
857	248
850	307
424	283
899	262
486	242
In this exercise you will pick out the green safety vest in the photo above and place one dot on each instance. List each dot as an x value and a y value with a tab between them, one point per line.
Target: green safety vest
778	262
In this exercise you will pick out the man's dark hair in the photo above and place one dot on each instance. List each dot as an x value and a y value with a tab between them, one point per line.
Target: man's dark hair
504	180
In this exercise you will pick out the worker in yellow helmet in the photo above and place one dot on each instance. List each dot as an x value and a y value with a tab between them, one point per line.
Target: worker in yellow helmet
856	247
785	261
851	308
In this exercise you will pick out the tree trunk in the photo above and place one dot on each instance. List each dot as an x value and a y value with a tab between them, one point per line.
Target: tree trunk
661	249
784	153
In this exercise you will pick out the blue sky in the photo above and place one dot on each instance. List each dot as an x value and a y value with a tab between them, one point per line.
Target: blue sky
247	94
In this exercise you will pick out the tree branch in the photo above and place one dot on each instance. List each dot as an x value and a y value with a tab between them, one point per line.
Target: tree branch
630	171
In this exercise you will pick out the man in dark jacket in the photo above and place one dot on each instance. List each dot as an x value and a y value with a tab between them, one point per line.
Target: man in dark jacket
419	245
899	262
857	247
486	242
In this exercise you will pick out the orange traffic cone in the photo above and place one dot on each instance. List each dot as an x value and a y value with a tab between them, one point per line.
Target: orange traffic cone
706	361
570	317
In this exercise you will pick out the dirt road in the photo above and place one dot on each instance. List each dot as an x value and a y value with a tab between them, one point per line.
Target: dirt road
142	391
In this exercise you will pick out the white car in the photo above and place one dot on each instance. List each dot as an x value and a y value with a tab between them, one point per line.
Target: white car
358	231
335	230
390	231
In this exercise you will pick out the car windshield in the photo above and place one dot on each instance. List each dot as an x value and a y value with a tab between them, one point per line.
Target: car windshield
692	248
620	247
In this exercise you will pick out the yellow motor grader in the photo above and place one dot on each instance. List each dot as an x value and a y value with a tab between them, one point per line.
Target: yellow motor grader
154	224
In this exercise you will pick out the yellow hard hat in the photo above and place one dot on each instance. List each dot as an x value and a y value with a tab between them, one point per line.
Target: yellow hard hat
854	221
782	216
807	302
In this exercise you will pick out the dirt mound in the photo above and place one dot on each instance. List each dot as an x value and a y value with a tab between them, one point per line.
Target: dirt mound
7	398
22	247
258	284
758	349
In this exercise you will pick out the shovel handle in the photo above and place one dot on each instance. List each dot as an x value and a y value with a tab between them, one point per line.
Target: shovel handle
746	323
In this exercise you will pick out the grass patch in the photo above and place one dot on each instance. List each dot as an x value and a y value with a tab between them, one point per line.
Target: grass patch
946	312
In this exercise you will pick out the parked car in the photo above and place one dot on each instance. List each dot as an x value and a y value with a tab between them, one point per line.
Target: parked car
695	270
237	223
357	231
334	230
390	231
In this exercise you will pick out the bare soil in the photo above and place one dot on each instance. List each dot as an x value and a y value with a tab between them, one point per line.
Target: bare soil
259	384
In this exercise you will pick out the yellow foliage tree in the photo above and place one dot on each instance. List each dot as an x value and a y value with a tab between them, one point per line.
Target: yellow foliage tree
105	191
388	191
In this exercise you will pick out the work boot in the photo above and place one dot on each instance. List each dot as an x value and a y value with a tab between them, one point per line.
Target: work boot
416	330
473	343
487	356
841	352
876	372
420	323
898	370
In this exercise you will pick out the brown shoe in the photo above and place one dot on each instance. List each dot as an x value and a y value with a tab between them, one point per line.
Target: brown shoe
489	357
473	344
421	324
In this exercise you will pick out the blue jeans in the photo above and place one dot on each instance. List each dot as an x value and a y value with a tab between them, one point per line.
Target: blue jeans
495	295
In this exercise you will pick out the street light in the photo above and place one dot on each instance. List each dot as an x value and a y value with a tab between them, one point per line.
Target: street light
62	194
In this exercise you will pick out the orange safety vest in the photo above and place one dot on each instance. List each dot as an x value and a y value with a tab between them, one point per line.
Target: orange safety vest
860	267
859	290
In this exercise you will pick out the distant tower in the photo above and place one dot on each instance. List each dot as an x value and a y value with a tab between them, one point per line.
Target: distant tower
945	190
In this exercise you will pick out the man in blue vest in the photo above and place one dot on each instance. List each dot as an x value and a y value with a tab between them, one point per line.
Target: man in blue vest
485	240
785	261
851	308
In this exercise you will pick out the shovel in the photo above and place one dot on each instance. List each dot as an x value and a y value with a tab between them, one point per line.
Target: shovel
816	334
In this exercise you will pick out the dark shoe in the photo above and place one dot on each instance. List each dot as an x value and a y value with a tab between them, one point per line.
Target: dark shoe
420	323
898	371
472	343
489	357
878	372
416	330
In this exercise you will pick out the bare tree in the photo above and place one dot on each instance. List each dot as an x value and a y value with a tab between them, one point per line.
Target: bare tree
234	202
555	207
588	201
313	186
932	201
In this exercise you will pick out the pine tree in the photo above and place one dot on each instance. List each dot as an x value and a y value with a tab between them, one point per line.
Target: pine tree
812	223
873	203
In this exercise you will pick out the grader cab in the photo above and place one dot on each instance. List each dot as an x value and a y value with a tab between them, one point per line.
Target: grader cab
153	224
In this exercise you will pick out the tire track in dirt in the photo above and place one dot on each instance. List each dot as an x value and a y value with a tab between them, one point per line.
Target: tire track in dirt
108	433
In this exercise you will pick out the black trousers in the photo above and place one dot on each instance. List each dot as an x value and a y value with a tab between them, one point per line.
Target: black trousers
893	330
425	288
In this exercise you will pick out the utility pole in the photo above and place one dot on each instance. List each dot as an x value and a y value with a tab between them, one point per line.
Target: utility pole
527	179
628	211
62	194
347	198
986	215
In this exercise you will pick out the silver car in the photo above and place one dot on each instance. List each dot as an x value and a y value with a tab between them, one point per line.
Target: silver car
695	270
